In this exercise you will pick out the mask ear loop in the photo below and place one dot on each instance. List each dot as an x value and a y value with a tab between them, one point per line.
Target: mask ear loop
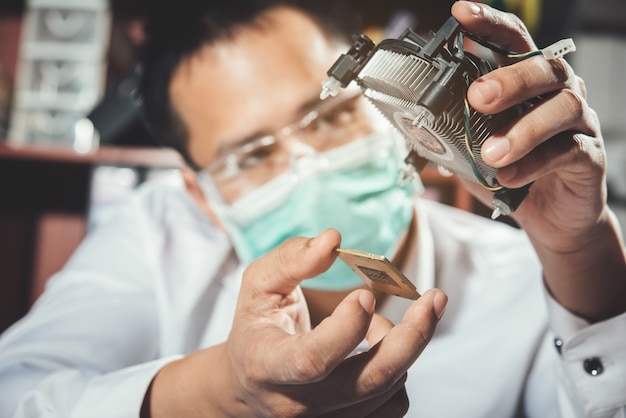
194	183
223	211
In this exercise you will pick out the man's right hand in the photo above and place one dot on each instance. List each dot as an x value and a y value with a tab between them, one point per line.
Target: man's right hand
273	365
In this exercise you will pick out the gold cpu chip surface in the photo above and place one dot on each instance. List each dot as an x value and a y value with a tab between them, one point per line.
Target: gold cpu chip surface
378	272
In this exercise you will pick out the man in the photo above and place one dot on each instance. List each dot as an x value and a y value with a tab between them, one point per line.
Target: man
143	318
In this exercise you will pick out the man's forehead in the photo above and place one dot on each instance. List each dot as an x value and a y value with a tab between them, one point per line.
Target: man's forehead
253	81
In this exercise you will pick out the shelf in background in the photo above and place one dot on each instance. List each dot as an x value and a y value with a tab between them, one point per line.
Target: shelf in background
44	208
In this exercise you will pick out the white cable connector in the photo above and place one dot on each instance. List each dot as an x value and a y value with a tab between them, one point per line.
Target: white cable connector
558	49
330	87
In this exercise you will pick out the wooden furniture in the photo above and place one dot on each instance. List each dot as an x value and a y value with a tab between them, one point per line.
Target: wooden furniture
446	189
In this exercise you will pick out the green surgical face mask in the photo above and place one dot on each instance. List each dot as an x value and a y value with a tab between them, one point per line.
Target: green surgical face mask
352	189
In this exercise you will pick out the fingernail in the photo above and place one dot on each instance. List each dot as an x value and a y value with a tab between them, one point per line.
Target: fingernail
440	300
496	147
473	8
367	301
488	90
315	240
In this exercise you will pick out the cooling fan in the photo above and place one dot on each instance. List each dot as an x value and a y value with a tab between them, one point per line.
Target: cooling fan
420	86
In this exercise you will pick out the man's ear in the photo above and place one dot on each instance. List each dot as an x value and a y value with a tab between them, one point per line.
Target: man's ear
193	188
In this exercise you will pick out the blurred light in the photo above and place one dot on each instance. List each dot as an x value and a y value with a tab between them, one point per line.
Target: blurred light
85	136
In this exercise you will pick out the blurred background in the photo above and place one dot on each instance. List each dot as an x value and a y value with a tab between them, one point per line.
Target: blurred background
72	143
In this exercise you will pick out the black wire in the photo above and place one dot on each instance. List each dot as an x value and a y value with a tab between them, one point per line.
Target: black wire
488	45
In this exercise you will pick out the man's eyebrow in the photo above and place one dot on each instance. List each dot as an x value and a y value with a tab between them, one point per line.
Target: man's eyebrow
225	146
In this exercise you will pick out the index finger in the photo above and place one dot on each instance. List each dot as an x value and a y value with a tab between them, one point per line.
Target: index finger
374	372
524	80
517	83
503	29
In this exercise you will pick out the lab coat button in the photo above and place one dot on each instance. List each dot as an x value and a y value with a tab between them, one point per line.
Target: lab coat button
593	366
558	344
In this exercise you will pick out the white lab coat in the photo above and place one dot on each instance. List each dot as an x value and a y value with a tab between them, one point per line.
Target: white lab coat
160	281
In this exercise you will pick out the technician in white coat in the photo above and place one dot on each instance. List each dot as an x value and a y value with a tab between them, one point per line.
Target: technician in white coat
163	311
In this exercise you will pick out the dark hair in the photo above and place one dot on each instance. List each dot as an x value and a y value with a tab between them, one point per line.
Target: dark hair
176	30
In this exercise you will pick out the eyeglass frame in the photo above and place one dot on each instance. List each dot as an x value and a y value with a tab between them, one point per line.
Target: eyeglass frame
318	113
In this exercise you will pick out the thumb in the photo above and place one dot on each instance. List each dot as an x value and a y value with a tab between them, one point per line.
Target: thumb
296	259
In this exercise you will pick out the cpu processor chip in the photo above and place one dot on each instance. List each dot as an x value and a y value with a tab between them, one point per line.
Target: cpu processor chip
379	273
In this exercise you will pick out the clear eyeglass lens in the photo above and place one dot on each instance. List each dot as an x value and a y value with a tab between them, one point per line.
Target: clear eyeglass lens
255	163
